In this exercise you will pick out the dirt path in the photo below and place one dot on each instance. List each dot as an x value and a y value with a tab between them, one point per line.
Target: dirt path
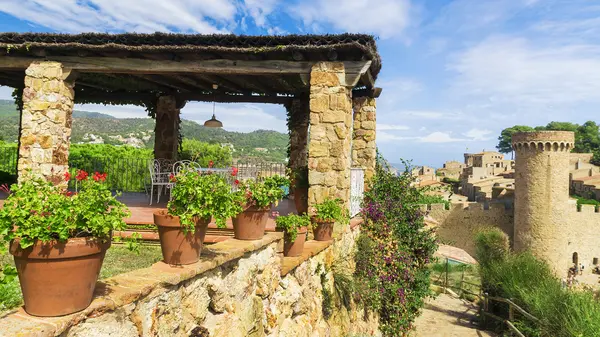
446	316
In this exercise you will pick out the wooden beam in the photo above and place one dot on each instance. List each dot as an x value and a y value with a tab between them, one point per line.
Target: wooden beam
354	71
373	93
368	79
200	97
144	66
160	82
228	98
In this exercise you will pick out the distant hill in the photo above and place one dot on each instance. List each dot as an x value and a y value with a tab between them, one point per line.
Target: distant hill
95	127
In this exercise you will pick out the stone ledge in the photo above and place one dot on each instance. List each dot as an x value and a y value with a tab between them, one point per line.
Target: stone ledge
123	289
312	248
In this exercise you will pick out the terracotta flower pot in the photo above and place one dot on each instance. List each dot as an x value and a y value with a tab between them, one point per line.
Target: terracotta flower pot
251	223
301	200
324	230
178	247
58	278
294	248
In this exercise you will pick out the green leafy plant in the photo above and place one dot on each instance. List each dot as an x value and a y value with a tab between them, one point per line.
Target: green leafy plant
394	250
299	177
37	210
330	210
202	196
262	194
291	223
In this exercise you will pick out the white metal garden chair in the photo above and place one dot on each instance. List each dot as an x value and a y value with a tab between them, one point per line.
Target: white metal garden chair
158	178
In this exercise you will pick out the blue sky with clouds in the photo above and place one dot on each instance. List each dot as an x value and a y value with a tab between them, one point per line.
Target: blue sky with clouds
455	73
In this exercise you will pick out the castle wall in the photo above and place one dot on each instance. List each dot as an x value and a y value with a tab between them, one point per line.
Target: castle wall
458	225
583	228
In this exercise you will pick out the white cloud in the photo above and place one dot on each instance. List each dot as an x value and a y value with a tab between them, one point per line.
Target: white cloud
397	127
238	117
425	114
202	16
507	69
6	92
259	10
385	18
478	134
439	137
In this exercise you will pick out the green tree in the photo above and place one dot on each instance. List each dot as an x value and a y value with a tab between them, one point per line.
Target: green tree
203	153
504	141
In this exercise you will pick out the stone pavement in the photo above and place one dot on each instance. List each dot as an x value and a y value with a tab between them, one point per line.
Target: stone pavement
447	316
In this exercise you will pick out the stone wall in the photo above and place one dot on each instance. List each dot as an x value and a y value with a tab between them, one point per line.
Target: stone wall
166	131
330	133
46	121
581	237
364	150
239	288
458	225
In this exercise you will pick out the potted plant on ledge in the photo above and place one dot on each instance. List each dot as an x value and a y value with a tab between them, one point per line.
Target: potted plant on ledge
59	240
294	228
256	198
325	216
195	199
299	182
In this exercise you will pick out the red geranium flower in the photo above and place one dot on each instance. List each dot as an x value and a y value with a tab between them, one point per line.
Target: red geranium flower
234	171
210	164
172	178
237	182
67	176
81	175
69	193
99	176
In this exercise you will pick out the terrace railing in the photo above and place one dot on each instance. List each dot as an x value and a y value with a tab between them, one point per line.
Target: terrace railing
8	159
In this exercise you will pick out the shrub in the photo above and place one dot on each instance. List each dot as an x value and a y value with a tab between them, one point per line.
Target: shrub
291	223
393	251
38	210
330	210
203	196
491	245
262	194
531	284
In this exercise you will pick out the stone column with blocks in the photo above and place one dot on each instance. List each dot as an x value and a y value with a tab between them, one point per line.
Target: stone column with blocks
330	134
364	150
46	122
166	131
298	127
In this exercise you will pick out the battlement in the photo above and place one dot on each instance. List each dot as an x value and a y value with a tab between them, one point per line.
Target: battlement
467	206
555	141
588	209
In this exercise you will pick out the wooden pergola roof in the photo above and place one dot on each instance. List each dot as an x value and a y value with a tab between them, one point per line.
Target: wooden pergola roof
132	68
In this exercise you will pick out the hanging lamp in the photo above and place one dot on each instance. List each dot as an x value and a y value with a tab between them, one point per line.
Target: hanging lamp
214	122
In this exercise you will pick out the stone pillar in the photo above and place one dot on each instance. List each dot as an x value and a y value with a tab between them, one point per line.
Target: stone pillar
166	131
330	134
364	151
298	126
46	122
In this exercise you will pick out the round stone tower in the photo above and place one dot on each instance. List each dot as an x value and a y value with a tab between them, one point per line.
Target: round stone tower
542	195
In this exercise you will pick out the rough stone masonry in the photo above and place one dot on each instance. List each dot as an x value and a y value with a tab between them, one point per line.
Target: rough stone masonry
330	133
46	122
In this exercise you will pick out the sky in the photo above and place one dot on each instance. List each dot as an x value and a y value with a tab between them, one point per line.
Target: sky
455	73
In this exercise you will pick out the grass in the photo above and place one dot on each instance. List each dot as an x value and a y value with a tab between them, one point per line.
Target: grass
531	284
118	260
